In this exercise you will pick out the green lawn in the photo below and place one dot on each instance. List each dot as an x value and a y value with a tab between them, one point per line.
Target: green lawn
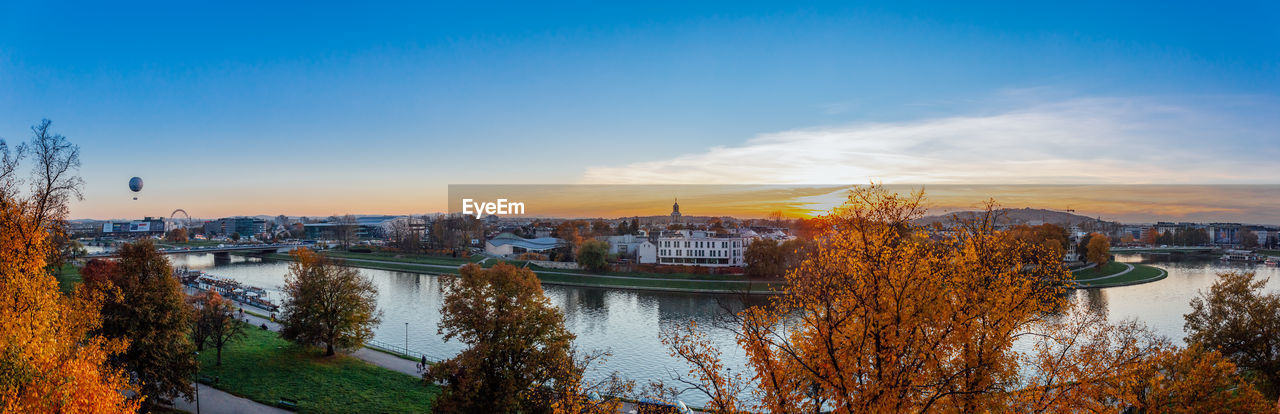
263	367
650	275
587	279
1110	268
406	258
1139	273
68	276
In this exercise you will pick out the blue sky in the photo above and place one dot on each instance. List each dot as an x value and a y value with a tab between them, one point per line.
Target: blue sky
320	108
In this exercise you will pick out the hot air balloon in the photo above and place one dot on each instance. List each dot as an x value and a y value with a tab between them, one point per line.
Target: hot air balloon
135	185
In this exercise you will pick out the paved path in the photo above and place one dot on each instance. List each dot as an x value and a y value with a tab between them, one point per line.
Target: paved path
215	401
1128	268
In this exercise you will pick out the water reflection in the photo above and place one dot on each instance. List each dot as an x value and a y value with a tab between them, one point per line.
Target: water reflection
628	323
1161	304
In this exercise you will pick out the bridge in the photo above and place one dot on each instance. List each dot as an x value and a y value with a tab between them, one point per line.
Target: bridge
216	250
1168	249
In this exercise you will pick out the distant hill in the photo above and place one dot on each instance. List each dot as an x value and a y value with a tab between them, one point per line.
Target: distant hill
1013	216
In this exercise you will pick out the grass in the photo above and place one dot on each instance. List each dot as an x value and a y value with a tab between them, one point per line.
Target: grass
263	367
1108	269
588	279
406	258
642	283
68	276
1140	273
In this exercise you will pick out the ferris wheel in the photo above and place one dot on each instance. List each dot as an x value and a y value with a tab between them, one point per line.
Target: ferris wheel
186	219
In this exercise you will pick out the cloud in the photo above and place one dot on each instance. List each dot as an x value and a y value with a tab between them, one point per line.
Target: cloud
1076	141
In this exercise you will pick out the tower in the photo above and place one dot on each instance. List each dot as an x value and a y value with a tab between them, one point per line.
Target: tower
675	211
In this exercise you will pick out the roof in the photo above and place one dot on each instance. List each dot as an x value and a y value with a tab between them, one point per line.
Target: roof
541	243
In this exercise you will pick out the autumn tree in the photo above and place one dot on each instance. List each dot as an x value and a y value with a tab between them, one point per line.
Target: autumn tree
327	304
768	258
570	236
1248	239
1240	319
148	308
885	317
455	231
518	356
215	322
178	235
1149	236
763	258
1099	250
49	359
1193	380
593	255
405	236
600	228
1051	236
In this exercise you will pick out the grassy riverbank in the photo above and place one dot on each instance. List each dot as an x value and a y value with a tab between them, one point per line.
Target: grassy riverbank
1116	274
263	367
727	284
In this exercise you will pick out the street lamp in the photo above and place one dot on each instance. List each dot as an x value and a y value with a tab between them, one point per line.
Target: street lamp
197	387
406	340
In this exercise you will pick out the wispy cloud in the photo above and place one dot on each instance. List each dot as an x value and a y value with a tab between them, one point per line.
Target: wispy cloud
1078	141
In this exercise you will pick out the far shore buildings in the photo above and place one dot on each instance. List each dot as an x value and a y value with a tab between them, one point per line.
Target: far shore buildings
637	247
701	248
510	245
244	226
367	227
133	229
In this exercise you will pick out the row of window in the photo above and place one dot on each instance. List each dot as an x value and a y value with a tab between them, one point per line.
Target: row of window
681	260
698	253
701	244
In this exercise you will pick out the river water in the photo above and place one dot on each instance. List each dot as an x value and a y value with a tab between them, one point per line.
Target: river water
627	323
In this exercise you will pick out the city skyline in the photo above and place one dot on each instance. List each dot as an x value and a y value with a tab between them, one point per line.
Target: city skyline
287	115
1248	204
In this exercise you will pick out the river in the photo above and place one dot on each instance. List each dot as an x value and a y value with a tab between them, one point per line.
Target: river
627	323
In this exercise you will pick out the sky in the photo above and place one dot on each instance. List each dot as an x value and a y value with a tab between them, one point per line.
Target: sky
319	108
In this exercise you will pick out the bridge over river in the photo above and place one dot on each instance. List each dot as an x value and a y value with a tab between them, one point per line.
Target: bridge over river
217	251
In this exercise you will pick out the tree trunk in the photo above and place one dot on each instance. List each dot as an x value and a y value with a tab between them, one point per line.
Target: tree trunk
328	351
219	363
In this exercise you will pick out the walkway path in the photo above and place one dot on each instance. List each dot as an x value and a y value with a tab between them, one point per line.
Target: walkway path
1128	268
371	356
215	401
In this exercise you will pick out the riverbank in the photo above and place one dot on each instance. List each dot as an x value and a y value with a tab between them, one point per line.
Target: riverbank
714	284
1116	274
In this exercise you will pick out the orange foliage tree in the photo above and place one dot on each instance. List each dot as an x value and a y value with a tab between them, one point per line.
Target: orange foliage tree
48	360
884	316
519	356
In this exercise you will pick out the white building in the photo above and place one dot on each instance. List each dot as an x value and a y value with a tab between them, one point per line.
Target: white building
510	245
630	245
701	248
